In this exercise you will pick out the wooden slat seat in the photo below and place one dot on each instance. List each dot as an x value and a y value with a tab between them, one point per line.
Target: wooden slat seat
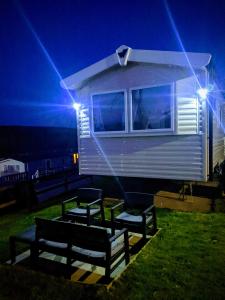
77	242
27	237
137	213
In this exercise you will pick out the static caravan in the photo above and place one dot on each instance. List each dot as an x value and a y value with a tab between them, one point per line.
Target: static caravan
11	166
148	114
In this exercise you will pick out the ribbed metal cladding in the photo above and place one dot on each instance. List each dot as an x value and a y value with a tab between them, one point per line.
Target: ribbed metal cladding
84	122
218	141
172	157
187	115
179	154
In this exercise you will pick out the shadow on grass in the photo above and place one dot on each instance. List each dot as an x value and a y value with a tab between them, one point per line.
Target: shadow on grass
21	284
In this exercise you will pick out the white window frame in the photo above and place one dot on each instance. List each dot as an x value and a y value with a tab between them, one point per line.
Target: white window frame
110	133
172	110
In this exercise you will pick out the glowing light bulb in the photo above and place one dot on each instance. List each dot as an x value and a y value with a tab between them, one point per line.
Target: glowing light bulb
76	106
203	93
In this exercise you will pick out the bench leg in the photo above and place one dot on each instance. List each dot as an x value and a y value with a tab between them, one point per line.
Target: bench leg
107	271
113	228
88	220
144	235
12	245
154	220
102	214
68	267
34	253
144	232
126	242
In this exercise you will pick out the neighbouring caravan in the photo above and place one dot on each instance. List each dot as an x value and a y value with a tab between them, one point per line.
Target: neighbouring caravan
147	114
11	166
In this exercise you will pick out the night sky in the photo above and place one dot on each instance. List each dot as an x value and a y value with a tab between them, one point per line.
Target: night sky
78	33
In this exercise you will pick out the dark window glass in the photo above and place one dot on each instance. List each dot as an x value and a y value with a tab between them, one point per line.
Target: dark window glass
109	112
151	108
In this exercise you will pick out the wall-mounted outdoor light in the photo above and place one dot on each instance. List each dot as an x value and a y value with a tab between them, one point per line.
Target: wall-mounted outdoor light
203	93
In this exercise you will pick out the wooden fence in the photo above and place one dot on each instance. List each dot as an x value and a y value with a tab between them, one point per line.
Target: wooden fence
13	178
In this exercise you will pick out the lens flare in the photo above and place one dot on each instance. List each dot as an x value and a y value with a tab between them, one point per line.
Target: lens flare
43	48
203	93
76	106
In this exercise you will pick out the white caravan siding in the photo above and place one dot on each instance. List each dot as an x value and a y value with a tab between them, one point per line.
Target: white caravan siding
180	154
218	129
172	157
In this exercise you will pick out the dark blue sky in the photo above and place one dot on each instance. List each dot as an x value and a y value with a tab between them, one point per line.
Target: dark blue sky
78	33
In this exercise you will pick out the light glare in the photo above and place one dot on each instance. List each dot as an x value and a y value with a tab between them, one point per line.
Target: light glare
202	92
76	106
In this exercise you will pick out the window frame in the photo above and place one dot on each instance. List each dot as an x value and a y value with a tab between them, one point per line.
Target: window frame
172	109
110	133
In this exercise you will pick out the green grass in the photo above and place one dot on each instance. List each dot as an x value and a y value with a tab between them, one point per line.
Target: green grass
21	284
185	261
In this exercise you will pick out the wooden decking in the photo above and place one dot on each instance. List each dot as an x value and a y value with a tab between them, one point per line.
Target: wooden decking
195	196
164	199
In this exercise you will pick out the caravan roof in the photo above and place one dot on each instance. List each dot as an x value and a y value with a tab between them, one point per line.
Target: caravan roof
124	55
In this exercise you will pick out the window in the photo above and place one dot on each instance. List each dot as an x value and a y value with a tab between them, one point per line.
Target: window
48	164
11	168
152	108
109	112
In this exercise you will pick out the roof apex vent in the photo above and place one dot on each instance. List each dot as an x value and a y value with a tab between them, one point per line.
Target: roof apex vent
123	53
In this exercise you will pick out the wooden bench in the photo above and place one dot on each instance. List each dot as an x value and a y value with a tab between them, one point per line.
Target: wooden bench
26	237
76	242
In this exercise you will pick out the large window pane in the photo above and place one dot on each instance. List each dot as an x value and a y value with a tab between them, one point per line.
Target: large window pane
109	112
151	108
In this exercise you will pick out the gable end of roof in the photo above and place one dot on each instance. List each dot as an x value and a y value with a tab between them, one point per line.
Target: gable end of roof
124	55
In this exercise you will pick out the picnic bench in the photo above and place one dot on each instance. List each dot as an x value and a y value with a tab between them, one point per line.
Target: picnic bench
76	242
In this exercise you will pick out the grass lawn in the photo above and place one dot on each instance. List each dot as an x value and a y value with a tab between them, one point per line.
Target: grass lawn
185	261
